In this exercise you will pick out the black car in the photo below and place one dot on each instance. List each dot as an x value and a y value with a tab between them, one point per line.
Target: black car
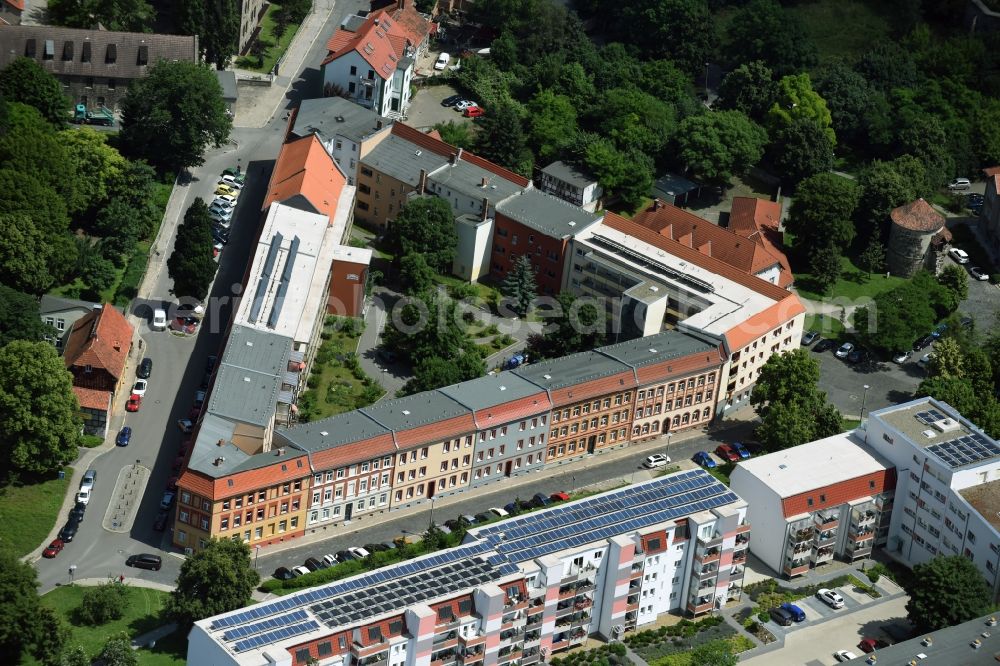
313	564
76	513
69	530
145	369
485	517
824	345
345	556
144	561
452	101
781	616
206	379
540	500
282	573
220	237
967	322
923	342
377	547
857	356
210	363
160	523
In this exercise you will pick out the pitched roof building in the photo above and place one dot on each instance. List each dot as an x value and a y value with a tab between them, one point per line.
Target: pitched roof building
914	226
759	220
305	176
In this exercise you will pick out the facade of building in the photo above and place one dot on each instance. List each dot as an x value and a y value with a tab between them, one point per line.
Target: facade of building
571	184
813	503
439	442
95	67
371	62
913	227
62	314
515	591
947	488
346	130
990	214
651	282
348	281
251	12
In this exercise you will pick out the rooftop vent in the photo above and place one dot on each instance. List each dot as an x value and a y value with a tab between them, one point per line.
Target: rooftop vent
218	461
547	376
782	466
246	379
339	119
946	425
652	350
572	223
417	153
280	451
406	412
324	433
503	388
929	434
220	442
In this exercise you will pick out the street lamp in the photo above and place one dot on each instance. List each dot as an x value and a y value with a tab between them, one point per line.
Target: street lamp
669	435
255	557
430	523
864	400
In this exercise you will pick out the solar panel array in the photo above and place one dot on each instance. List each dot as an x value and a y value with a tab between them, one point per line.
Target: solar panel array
929	417
276	635
965	450
599	517
270	623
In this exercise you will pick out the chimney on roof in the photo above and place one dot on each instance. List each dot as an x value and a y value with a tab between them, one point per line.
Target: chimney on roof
378	124
459	156
280	451
484	182
486	209
118	345
422	184
657	204
218	461
452	159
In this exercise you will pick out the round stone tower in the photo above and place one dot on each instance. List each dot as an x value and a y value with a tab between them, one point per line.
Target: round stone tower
913	226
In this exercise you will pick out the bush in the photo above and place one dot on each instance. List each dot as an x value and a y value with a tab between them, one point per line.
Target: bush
873	575
995	278
101	604
313	381
91	441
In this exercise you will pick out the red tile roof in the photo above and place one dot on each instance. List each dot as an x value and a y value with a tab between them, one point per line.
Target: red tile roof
432	142
16	4
991	171
381	40
92	398
918	216
760	220
304	168
839	493
100	339
750	256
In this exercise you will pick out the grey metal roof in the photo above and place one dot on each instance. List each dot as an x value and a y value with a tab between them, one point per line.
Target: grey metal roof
335	116
250	375
331	432
658	347
671	185
491	390
569	173
467	178
953	645
206	450
227	79
56	304
402	160
548	214
353	22
67	58
570	370
415	410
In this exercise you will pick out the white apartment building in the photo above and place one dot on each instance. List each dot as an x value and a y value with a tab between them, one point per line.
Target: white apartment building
517	591
948	487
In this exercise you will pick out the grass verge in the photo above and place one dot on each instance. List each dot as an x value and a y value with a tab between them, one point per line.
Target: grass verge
274	47
29	510
828	327
854	284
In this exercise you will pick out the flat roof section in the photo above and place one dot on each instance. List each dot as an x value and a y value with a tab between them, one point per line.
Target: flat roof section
467	178
492	390
402	160
571	370
985	498
547	214
942	432
813	465
249	376
336	116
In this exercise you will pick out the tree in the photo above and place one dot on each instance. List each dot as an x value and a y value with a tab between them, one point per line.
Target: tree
19	611
173	113
39	427
519	286
97	273
888	185
718	145
75	656
956	281
763	30
96	166
636	120
118	651
23	254
217	24
801	149
415	275
797	100
434	372
191	265
627	175
121	15
552	122
821	213
750	88
896	318
664	81
785	378
887	66
849	97
948	359
575	324
678	30
216	579
19	318
426	226
826	266
502	140
872	258
944	592
456	134
24	80
103	603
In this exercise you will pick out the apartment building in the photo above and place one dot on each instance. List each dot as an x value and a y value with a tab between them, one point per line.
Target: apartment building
408	451
515	592
346	130
817	502
572	184
651	282
948	485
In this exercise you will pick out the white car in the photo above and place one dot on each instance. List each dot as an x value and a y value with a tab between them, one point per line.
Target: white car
499	513
300	571
978	273
464	104
442	61
231	182
927	358
845	350
83	497
844	655
830	598
358	552
329	560
159	319
227	200
960	256
656	460
902	357
139	388
959	184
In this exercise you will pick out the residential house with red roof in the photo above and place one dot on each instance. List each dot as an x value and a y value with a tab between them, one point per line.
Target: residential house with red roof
96	352
372	61
10	11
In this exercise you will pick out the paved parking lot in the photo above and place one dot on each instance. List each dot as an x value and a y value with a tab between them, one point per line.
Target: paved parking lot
426	111
816	610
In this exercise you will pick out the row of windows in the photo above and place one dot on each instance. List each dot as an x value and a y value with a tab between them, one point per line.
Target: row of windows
343	472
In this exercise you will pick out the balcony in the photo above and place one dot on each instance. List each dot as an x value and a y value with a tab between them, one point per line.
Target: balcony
700	606
637	567
709	571
861	535
743	528
822	555
826	522
444	657
806	534
742	540
709	555
473	642
588	571
380	658
714	540
796	568
740	557
360	651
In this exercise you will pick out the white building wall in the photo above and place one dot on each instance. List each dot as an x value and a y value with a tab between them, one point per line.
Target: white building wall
766	514
770	274
743	373
338	73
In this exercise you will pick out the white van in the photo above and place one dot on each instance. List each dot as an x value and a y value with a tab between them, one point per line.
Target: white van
959	184
442	61
159	320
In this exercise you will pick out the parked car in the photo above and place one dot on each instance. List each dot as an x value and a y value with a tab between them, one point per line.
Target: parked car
160	523
923	342
185	425
510	507
83	497
959	184
199	398
124	436
68	531
329	560
231	181
485	517
210	363
144	561
902	357
359	553
283	573
702	458
797	613
967	322
299	571
559	497
473	112
312	564
824	345
77	512
656	460
498	512
225	190
53	548
139	388
378	547
464	104
845	349
844	655
809	337
781	616
167	500
927	358
225	201
345	556
978	273
89	479
742	450
442	61
145	369
727	453
869	645
960	256
541	499
134	403
451	100
857	355
830	598
219	220
468	519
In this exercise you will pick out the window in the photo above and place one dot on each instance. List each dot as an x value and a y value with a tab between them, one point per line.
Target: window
445	614
325	648
302	656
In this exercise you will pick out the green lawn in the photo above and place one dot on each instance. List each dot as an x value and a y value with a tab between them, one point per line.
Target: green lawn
841	28
828	327
850	424
29	512
621	209
274	48
336	383
853	284
142	615
722	471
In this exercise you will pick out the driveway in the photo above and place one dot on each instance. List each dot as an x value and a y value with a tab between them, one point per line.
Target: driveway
426	111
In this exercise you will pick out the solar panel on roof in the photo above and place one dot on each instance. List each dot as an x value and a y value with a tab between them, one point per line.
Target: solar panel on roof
276	635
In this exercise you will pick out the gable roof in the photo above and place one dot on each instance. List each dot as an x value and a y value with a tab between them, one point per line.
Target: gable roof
382	40
917	216
50	303
92	398
304	168
16	4
436	145
100	339
707	238
760	221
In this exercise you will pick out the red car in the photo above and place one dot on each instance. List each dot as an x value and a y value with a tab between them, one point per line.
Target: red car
54	549
134	402
727	453
559	497
473	112
868	645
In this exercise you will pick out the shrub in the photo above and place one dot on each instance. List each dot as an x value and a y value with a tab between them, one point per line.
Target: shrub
91	441
313	381
103	603
873	575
